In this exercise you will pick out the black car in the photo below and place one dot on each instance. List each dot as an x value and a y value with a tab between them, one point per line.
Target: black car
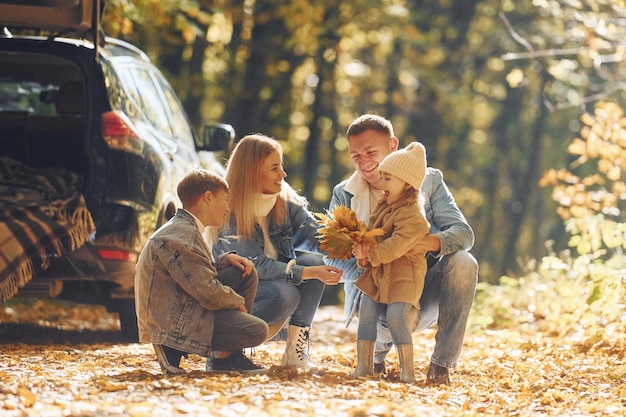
95	115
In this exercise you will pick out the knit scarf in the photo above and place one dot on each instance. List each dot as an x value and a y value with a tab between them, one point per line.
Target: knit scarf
263	204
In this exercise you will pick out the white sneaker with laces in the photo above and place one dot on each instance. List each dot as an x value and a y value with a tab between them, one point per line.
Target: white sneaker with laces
297	349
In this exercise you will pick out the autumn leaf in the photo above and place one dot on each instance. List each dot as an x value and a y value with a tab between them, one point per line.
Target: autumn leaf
336	243
341	229
27	396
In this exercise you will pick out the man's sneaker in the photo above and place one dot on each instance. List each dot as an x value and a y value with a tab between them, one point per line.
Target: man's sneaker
236	362
169	359
437	375
379	368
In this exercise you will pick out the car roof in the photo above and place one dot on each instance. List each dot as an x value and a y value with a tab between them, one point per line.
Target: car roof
55	16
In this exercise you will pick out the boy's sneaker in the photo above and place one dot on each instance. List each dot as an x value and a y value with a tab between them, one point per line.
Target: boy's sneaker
236	362
169	359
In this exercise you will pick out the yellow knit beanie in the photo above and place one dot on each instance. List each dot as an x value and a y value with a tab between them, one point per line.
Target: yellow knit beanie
408	164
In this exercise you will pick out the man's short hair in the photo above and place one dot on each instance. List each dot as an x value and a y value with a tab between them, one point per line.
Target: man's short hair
196	182
367	122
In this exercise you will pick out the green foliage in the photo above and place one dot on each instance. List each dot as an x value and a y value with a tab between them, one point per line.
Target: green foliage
563	297
580	296
591	191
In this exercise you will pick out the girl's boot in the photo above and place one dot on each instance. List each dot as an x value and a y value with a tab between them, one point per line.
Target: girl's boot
364	358
297	349
405	359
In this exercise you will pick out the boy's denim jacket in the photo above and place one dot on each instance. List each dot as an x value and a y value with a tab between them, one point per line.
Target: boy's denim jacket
297	233
176	290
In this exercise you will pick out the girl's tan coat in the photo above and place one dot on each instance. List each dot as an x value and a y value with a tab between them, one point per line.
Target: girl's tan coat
394	276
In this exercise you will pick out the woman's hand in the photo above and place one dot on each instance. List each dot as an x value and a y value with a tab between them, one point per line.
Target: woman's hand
240	262
329	275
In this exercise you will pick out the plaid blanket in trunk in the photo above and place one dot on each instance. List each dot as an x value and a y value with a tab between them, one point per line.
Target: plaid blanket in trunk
42	216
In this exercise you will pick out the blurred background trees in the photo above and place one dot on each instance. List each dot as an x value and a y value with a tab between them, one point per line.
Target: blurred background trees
497	90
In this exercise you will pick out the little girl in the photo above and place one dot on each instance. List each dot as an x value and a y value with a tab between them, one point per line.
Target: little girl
393	277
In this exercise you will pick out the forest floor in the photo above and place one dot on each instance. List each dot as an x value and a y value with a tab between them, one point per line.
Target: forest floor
60	359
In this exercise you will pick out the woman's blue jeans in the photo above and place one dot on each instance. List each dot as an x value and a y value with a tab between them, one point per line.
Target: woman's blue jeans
276	301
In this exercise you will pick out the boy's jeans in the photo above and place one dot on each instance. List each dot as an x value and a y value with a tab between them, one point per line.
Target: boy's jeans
234	329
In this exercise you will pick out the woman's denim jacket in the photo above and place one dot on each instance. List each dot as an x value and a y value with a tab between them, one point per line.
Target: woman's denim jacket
297	233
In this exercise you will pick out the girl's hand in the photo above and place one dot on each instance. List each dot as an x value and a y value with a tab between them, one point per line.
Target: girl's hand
357	251
360	250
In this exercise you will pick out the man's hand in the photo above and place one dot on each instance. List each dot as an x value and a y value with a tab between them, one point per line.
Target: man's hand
240	262
429	243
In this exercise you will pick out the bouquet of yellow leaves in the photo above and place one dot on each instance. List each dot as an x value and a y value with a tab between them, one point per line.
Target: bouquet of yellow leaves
341	229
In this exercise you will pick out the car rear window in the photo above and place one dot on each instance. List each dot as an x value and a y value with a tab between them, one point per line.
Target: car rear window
30	83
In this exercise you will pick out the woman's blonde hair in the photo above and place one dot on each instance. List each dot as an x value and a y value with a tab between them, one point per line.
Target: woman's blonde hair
243	171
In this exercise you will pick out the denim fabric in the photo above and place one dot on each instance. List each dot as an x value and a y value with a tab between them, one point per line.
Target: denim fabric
281	293
351	299
297	233
178	288
235	330
445	218
450	283
276	301
311	292
449	291
400	318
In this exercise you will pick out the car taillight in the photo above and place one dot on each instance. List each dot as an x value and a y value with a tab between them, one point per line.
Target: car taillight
117	255
119	133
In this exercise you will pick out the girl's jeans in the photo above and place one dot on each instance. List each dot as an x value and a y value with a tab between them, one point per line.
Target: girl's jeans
449	289
401	319
276	301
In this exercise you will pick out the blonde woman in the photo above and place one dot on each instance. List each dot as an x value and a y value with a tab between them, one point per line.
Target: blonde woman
270	224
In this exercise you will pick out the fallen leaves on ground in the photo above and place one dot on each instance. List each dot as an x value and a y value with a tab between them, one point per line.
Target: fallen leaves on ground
64	360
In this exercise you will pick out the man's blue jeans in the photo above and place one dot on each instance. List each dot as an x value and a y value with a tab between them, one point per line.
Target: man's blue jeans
276	301
449	290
